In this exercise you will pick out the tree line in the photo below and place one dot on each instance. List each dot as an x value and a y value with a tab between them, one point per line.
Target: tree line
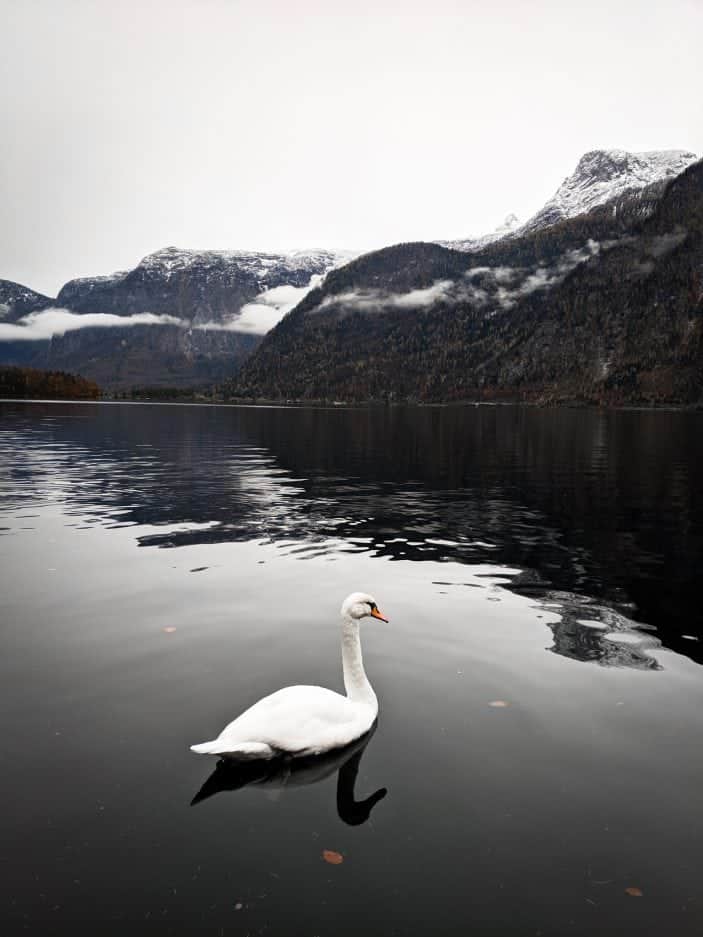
33	384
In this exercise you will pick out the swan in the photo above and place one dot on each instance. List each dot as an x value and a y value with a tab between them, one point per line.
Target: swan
308	720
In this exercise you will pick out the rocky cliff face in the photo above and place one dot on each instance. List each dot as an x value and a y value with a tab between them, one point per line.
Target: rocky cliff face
606	306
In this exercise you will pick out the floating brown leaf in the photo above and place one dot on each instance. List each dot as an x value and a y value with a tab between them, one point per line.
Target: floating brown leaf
334	858
634	892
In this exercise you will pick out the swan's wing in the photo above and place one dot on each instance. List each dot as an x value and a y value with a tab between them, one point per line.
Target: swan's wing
297	719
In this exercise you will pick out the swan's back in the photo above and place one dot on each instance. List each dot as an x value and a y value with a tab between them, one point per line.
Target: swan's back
297	720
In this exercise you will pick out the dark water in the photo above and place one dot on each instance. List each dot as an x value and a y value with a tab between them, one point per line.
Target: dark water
163	567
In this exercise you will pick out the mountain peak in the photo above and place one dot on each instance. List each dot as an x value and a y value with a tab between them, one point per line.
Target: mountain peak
599	176
635	169
17	300
602	175
510	223
260	265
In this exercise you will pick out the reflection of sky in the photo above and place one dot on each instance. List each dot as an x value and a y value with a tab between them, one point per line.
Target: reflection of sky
188	476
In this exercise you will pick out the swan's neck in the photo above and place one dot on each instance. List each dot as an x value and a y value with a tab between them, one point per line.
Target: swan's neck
356	684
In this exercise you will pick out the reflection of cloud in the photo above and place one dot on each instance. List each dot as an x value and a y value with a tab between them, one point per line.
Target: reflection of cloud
266	310
50	322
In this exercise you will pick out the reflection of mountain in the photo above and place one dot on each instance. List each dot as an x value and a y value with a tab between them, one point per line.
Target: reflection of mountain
597	504
283	773
587	631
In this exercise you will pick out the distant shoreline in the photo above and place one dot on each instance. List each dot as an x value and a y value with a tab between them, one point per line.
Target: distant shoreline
367	405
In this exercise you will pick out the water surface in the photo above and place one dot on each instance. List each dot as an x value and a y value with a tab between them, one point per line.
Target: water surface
538	746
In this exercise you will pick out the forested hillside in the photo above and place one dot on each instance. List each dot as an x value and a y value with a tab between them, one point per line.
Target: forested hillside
605	307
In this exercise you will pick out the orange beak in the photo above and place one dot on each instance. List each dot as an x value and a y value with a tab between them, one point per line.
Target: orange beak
376	614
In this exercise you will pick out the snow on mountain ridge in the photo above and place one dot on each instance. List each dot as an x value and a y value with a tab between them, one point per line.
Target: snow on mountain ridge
510	225
168	260
261	265
16	300
602	175
599	177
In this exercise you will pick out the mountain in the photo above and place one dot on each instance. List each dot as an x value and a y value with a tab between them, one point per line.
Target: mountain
206	312
200	287
605	306
410	321
604	175
17	301
508	227
601	176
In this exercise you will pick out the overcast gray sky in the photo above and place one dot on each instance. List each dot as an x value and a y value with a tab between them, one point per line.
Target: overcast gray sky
270	124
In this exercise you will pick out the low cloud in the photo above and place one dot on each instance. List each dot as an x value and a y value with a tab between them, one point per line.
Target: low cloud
665	243
505	286
489	288
500	274
266	310
256	317
47	323
416	299
375	299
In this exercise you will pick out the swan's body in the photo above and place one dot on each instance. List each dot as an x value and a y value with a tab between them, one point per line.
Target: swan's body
308	720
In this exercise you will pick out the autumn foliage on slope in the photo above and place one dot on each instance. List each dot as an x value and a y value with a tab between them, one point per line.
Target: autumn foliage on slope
32	384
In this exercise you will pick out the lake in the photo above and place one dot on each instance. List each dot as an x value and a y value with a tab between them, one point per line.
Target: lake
537	766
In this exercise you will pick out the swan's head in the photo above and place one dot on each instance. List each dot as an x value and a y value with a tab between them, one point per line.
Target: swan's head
360	605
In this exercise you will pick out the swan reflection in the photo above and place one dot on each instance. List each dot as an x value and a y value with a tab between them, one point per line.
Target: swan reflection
282	773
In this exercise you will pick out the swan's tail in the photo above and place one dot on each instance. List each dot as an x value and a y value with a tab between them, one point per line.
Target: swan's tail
240	750
207	748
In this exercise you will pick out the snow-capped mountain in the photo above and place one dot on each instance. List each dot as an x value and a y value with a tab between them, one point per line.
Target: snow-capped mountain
604	175
604	306
189	316
17	300
198	286
267	269
510	225
600	177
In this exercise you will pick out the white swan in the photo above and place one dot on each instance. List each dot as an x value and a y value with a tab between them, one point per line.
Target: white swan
308	720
